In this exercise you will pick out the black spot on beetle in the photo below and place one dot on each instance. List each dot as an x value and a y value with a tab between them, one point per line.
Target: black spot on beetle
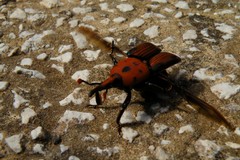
140	71
126	69
135	63
135	79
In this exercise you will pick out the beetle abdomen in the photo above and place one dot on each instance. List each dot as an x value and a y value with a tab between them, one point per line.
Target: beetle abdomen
132	71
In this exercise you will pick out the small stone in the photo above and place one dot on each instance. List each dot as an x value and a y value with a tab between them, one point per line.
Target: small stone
27	114
79	39
42	56
18	100
105	126
14	143
143	117
13	52
160	154
206	149
59	68
160	1
83	74
50	3
182	5
47	105
225	90
201	74
159	129
233	145
63	148
91	137
18	14
127	117
74	98
64	48
64	58
25	34
36	132
152	32
179	14
168	39
29	72
79	10
73	23
38	148
60	21
119	20
91	55
190	34
237	131
73	158
137	23
125	7
11	36
81	117
26	62
129	134
187	128
3	85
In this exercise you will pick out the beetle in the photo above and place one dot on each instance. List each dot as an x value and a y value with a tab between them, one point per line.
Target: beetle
145	65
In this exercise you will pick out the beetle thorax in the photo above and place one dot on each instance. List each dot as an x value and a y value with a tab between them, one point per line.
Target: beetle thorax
132	71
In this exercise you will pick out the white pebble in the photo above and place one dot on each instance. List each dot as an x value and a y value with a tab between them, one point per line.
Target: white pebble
18	14
83	74
168	39
223	130
50	3
160	1
2	67
1	136
18	100
64	48
225	90
63	148
14	142
201	75
60	21
182	5
159	129
42	56
165	142
26	62
91	137
46	105
75	115
187	128
237	131
59	68
206	149
79	39
105	126
143	117
64	58
152	32
73	23
119	20
179	14
73	158
106	151
27	114
125	7
3	85
29	72
38	148
80	10
91	55
127	117
190	34
160	154
74	97
137	22
100	66
129	134
36	132
233	145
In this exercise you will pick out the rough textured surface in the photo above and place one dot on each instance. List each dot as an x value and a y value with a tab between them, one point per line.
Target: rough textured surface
205	34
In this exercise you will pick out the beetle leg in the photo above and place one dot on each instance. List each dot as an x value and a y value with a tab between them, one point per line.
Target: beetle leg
111	54
105	95
124	106
79	81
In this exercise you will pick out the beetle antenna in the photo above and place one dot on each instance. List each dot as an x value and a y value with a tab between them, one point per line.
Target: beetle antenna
111	54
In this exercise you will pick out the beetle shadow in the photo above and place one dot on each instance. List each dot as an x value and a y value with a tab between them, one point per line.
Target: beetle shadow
162	101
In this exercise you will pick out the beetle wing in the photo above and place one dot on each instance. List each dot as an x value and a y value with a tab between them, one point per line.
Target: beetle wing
163	60
96	40
144	51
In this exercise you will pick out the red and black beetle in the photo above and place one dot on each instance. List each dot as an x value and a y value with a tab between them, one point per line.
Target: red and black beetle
145	65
